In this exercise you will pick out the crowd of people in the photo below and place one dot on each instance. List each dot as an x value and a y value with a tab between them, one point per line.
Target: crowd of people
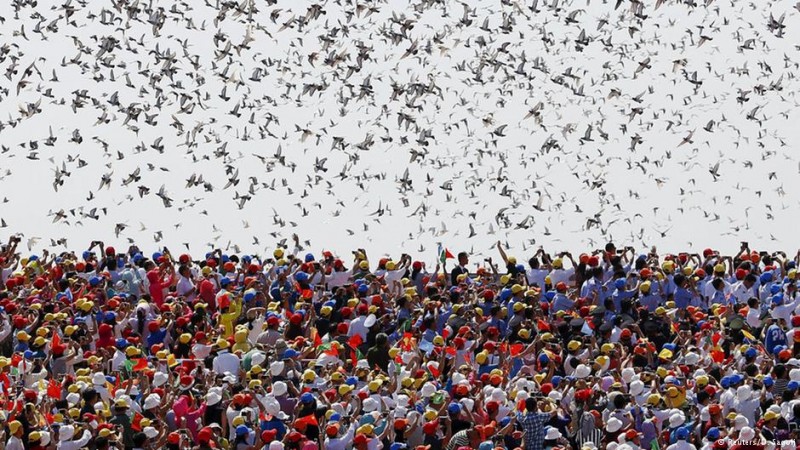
614	349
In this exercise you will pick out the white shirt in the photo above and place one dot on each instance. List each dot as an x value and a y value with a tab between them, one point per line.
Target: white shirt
227	362
536	276
184	285
681	445
742	293
74	445
14	443
357	327
785	311
559	275
341	443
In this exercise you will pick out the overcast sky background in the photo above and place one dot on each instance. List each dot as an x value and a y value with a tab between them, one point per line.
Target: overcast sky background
636	205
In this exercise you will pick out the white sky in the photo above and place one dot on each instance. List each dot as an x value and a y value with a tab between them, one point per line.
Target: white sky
452	154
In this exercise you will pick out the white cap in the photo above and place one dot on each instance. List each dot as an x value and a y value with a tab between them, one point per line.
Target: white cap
369	405
582	371
150	432
552	433
614	425
276	445
151	401
66	432
747	434
370	320
279	388
159	378
636	387
212	398
276	367
676	419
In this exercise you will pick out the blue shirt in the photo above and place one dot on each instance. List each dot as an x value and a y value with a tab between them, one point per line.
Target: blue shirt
533	428
682	298
774	337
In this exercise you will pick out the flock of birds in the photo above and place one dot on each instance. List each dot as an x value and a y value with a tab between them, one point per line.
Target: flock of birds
399	124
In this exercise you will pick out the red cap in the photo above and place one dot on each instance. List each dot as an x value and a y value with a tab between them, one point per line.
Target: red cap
796	321
184	258
296	319
205	434
110	251
342	328
707	252
561	286
273	320
430	427
174	438
346	312
361	439
153	326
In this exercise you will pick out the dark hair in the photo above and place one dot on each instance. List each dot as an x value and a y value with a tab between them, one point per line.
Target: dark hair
140	319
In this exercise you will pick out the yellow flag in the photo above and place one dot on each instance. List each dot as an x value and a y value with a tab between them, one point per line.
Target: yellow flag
748	335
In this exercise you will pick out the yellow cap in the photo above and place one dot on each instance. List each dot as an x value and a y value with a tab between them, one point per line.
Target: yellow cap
438	340
238	420
524	333
223	343
344	389
661	311
374	385
429	414
557	263
39	341
792	274
644	287
665	354
719	268
573	345
365	429
309	376
363	265
278	253
131	351
14	426
653	399
34	436
23	336
606	348
70	329
547	337
668	266
504	279
254	384
481	357
185	338
517	288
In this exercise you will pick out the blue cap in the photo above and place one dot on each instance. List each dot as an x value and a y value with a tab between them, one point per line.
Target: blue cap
137	257
454	408
249	295
225	258
550	295
28	354
556	380
520	268
765	277
619	283
750	353
486	445
94	281
307	398
111	379
777	349
224	281
335	417
774	289
792	385
725	382
87	254
398	446
33	258
505	294
351	381
309	257
504	421
301	277
791	265
544	359
157	255
242	430
712	434
768	381
777	299
363	289
682	434
737	378
247	258
110	316
290	353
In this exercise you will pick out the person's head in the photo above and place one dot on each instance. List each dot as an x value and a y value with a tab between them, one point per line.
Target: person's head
139	440
463	258
381	340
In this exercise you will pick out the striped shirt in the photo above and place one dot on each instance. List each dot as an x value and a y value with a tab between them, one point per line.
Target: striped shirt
459	439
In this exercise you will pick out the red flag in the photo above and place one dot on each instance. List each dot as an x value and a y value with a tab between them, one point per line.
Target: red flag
447	254
141	364
355	340
54	389
136	423
516	349
56	340
309	420
450	351
407	337
315	337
